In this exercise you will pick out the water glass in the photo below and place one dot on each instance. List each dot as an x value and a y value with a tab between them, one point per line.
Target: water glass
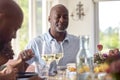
42	71
60	75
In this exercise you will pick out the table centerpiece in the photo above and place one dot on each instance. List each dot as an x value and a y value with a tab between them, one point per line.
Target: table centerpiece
108	63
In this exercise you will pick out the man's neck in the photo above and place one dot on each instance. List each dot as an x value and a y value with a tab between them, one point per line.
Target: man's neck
59	36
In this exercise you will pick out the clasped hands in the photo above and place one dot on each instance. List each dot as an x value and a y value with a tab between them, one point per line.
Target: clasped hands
25	55
10	71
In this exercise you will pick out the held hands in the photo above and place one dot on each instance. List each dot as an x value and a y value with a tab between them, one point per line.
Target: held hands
8	73
26	55
22	57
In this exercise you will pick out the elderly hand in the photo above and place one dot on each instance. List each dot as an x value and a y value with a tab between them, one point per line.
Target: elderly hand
8	73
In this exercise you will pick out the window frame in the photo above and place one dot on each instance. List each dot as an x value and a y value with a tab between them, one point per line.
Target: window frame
32	26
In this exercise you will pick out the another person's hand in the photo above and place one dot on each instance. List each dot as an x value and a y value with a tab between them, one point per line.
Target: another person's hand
8	73
22	57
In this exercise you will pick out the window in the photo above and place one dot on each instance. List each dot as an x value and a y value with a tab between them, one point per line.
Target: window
109	24
32	24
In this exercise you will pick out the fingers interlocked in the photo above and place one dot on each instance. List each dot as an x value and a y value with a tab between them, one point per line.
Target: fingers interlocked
26	54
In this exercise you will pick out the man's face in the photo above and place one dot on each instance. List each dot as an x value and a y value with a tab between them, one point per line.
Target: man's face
59	19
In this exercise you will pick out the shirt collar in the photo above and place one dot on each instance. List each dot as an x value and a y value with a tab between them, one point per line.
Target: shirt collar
50	38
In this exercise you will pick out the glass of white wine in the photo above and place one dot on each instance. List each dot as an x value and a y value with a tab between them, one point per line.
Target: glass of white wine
47	56
57	49
59	54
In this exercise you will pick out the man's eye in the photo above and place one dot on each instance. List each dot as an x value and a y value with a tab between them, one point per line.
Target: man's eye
65	17
58	17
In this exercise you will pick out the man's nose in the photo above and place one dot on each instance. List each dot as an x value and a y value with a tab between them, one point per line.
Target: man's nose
62	19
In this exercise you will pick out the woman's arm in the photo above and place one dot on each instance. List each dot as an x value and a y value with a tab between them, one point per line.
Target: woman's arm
8	73
20	62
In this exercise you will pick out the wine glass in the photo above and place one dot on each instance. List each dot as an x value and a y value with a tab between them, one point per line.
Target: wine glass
99	47
57	49
47	56
58	53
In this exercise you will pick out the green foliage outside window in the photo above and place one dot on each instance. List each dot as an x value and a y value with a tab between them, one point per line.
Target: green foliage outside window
23	36
23	33
110	38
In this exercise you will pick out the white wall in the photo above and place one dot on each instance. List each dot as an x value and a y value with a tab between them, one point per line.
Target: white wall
86	25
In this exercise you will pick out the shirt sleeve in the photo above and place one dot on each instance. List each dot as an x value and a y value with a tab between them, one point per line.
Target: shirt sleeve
35	45
31	45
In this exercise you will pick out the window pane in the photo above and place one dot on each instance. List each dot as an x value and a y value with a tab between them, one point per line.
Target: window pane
22	34
31	12
109	22
38	17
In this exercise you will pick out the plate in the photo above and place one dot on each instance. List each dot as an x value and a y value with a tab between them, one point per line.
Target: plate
26	74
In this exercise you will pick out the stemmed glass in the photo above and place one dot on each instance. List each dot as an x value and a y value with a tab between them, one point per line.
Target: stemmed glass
99	47
57	49
59	53
47	56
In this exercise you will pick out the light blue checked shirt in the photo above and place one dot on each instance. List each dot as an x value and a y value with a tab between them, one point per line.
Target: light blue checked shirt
70	47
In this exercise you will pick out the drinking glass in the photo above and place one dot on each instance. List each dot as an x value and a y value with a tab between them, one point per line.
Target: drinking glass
42	71
47	56
59	53
57	50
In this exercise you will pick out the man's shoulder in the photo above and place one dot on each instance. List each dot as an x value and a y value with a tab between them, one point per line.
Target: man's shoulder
72	36
39	38
36	40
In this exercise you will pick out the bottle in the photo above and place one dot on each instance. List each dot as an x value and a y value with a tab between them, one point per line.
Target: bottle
84	60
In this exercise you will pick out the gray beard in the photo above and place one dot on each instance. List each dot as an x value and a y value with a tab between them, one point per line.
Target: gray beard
58	30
